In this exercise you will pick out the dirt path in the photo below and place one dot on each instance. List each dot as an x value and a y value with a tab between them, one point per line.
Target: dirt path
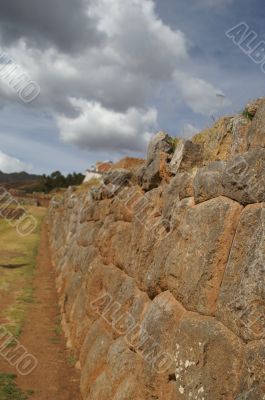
54	378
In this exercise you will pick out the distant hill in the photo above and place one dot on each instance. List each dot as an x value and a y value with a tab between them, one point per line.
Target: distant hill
20	180
18	177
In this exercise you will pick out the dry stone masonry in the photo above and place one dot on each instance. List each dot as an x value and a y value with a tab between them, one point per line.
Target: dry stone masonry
161	269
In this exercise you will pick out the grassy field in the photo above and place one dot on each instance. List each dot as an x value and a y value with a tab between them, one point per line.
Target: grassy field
17	262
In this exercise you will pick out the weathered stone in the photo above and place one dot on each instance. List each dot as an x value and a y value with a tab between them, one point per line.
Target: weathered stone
195	266
252	384
128	302
155	279
256	134
241	179
117	255
208	359
102	192
241	304
79	323
101	211
126	291
239	129
161	142
151	177
156	172
100	389
117	177
216	141
207	183
179	188
93	356
159	154
186	156
139	174
160	322
123	363
71	288
86	233
175	209
114	182
115	296
129	389
86	213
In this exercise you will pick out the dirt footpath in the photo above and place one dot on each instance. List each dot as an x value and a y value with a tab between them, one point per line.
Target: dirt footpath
55	378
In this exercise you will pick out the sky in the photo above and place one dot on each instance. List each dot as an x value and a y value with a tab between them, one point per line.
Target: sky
112	73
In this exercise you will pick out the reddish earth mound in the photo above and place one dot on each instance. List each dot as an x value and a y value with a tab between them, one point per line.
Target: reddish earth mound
129	163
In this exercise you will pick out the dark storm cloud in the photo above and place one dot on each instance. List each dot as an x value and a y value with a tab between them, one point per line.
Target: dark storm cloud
60	23
108	76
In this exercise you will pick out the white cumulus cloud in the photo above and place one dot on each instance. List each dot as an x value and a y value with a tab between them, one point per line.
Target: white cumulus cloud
101	94
10	164
201	96
98	128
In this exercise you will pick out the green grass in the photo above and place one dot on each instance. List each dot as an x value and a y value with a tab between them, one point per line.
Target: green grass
71	360
54	340
173	142
85	187
9	389
16	284
58	331
247	115
16	288
58	327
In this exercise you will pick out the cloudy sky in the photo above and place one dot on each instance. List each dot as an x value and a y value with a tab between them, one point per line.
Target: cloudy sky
113	72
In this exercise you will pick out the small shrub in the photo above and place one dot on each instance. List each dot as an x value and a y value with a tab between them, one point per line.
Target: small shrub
72	360
9	389
247	115
173	141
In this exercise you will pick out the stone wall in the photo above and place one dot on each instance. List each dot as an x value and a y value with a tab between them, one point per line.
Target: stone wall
161	275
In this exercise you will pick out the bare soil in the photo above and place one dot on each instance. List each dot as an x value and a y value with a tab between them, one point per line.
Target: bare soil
54	378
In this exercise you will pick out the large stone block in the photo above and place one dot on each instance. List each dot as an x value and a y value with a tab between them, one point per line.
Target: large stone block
130	389
207	183
252	384
208	360
161	142
122	361
195	266
151	177
179	188
241	304
79	322
100	389
186	156
241	179
127	371
159	153
85	235
155	279
93	356
117	179
161	322
256	134
239	130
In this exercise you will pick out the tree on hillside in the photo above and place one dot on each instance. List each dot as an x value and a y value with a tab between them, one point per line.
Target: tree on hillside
57	180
